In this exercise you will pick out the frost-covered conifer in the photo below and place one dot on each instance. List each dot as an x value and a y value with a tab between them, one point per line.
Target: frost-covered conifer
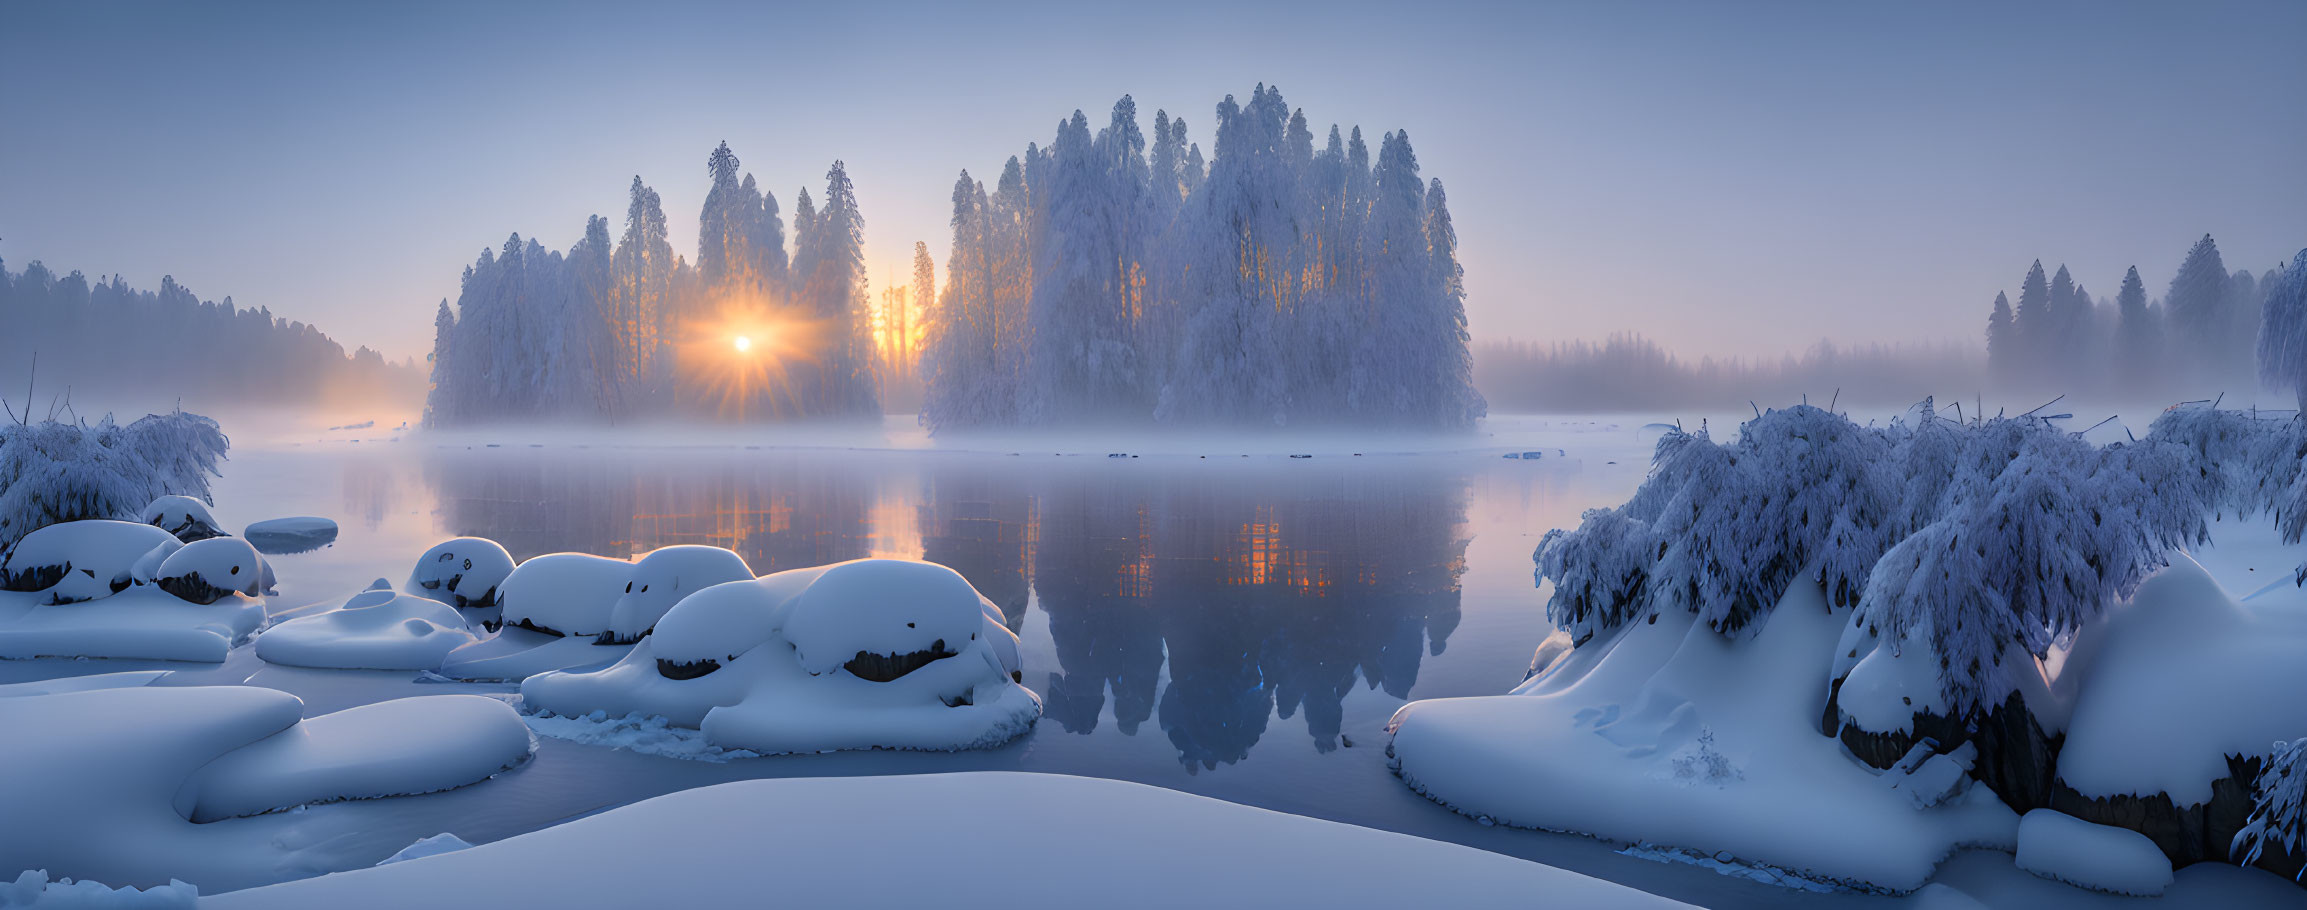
2279	809
2283	331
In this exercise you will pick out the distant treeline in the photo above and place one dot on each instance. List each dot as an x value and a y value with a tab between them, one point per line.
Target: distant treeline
1631	373
111	346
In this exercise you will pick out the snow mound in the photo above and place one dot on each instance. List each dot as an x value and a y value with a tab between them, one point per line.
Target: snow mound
873	653
143	621
2182	677
832	840
564	594
664	576
463	573
515	654
391	748
430	846
1666	732
2102	858
183	517
206	571
105	784
281	536
33	889
376	629
635	733
80	560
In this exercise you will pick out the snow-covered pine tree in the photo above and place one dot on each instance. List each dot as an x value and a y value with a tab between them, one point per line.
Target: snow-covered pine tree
2283	331
2002	341
2196	304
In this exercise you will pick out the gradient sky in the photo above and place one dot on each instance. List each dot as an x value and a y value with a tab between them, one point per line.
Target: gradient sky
1727	178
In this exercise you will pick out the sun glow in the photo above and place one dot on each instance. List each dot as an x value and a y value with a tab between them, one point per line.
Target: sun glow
743	344
739	356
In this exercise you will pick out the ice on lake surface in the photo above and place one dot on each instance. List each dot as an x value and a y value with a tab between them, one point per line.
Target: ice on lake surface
1236	627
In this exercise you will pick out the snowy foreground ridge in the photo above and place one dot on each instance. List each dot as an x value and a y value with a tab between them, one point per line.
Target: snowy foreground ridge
830	842
1838	654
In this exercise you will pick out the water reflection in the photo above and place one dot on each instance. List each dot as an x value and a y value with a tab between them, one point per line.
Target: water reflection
1265	595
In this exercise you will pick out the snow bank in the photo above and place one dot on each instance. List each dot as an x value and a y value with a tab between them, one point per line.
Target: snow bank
141	622
1668	733
515	654
374	630
391	748
664	576
2102	858
103	784
430	846
2180	678
291	535
183	517
831	842
206	571
873	653
564	594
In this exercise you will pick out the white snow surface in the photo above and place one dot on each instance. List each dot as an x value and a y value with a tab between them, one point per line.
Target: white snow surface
2099	857
376	629
33	889
665	575
213	567
102	784
2177	679
291	535
140	622
515	654
769	694
90	555
831	842
569	593
1673	734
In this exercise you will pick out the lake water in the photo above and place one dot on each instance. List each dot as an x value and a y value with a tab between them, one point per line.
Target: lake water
1236	626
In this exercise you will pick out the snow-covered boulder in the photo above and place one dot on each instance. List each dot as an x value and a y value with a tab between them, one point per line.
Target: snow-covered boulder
555	608
463	573
112	784
281	536
376	629
1666	732
661	578
80	560
185	518
166	607
2099	857
827	840
205	571
2179	700
873	653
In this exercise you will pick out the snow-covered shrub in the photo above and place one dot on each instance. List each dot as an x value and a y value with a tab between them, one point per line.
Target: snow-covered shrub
2279	816
53	472
2254	455
2283	331
2030	552
1722	530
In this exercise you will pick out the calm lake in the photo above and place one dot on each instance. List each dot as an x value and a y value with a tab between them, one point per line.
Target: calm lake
1236	626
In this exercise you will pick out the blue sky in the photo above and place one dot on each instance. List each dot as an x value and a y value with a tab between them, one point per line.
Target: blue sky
1727	178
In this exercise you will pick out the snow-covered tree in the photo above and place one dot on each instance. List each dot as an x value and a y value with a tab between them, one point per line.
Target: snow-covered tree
2002	340
2283	331
53	471
2197	306
2279	806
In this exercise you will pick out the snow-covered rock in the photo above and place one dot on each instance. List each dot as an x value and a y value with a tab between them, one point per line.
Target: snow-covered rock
376	629
2179	698
555	608
80	560
828	841
2099	857
205	571
1667	732
282	536
873	653
463	573
176	614
185	518
662	577
431	846
105	784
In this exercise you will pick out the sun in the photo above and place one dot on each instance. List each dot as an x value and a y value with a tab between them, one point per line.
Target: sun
743	344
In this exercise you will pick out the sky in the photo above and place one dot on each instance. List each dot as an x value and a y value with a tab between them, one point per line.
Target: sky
1731	179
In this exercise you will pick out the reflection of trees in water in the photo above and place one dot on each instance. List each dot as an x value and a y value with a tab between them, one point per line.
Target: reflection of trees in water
982	527
779	513
1269	594
370	491
1091	573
